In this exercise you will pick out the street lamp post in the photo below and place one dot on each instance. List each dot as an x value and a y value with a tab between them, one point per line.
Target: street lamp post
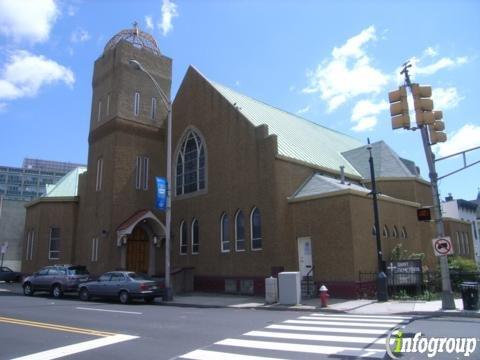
168	294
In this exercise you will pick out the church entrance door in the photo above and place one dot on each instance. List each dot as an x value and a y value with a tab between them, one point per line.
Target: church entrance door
305	255
137	250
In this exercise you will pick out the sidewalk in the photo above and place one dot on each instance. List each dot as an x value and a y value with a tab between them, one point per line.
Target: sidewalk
364	307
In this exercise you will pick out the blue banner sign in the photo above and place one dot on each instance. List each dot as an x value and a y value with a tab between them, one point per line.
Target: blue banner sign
161	198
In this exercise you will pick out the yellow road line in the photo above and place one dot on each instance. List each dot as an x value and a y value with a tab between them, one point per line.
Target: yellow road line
55	327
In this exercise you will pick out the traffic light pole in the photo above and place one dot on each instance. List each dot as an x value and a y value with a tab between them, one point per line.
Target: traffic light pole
448	302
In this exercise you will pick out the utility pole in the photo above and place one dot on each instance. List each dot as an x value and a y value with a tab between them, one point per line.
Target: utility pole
430	125
382	285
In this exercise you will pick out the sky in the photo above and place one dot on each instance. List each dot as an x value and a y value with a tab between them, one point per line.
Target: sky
331	62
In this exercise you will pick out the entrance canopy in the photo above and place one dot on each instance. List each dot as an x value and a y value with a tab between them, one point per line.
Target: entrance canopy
128	225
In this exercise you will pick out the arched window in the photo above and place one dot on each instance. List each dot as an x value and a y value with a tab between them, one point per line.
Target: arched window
195	238
224	239
386	233
395	232
374	231
190	174
239	231
403	234
256	229
183	239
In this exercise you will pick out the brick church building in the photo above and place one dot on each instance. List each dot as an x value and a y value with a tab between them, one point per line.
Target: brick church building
255	189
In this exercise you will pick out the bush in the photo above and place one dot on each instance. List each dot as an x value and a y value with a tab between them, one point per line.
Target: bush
461	264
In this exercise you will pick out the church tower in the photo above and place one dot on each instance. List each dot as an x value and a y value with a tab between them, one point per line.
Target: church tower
118	223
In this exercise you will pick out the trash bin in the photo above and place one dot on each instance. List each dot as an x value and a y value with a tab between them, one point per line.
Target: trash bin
470	298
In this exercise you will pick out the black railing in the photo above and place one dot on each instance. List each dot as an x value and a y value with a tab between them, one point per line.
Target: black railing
308	278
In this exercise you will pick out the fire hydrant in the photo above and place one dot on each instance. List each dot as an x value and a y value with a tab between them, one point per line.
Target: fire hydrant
324	296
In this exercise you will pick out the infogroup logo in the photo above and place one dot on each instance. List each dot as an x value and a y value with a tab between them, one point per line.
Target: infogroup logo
397	344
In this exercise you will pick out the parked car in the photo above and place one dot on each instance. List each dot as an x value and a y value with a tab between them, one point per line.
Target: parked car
56	280
7	274
123	285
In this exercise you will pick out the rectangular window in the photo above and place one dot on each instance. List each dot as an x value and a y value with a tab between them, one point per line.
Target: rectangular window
141	172
54	244
153	109
99	113
107	110
30	241
98	184
94	249
136	104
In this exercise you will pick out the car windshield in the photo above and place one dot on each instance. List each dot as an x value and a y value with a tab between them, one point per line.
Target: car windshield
140	276
77	270
5	269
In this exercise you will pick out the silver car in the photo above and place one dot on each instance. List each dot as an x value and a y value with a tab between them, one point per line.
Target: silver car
122	285
56	280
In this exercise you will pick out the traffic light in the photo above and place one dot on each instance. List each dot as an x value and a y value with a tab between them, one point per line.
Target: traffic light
423	104
436	129
399	108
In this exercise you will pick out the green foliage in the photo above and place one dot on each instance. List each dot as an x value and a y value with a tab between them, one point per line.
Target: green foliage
461	264
398	253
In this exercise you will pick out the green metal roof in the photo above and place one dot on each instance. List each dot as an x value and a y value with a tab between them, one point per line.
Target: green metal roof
298	138
67	185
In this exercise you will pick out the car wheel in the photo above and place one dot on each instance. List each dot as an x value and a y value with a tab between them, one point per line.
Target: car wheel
149	300
28	289
124	297
57	291
84	295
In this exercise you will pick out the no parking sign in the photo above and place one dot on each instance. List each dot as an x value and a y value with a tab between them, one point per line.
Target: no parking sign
442	246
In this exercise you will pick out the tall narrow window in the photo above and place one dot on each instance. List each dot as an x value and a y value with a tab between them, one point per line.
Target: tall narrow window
256	229
457	242
239	231
136	104
99	113
386	233
107	110
142	172
394	232
54	244
195	237
224	239
98	184
190	176
403	233
30	241
95	249
467	246
183	239
153	109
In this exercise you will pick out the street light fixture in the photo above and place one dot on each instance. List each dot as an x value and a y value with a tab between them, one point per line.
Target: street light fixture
168	294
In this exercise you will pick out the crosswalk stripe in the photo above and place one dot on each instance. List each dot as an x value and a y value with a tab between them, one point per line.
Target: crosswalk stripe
354	319
315	337
219	355
363	316
315	349
329	329
319	322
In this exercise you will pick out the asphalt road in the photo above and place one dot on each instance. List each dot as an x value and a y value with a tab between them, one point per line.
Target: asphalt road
31	326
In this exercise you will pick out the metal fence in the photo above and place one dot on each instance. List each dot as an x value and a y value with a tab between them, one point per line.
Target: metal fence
427	284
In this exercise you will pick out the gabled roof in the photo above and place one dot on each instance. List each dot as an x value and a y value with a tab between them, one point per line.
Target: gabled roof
320	185
298	138
67	185
386	162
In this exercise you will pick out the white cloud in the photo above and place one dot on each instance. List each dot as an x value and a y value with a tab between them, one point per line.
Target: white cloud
445	98
72	10
430	52
149	23
169	11
25	73
443	63
347	73
27	20
79	35
465	138
303	110
365	112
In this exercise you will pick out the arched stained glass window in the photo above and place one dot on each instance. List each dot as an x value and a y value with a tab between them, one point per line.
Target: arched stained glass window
195	238
256	229
224	239
239	231
190	169
183	239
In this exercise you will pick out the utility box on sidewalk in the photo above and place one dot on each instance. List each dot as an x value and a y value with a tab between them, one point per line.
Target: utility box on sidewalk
289	288
271	290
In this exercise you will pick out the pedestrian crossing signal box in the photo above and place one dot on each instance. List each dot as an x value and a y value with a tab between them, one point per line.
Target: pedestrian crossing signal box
424	214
